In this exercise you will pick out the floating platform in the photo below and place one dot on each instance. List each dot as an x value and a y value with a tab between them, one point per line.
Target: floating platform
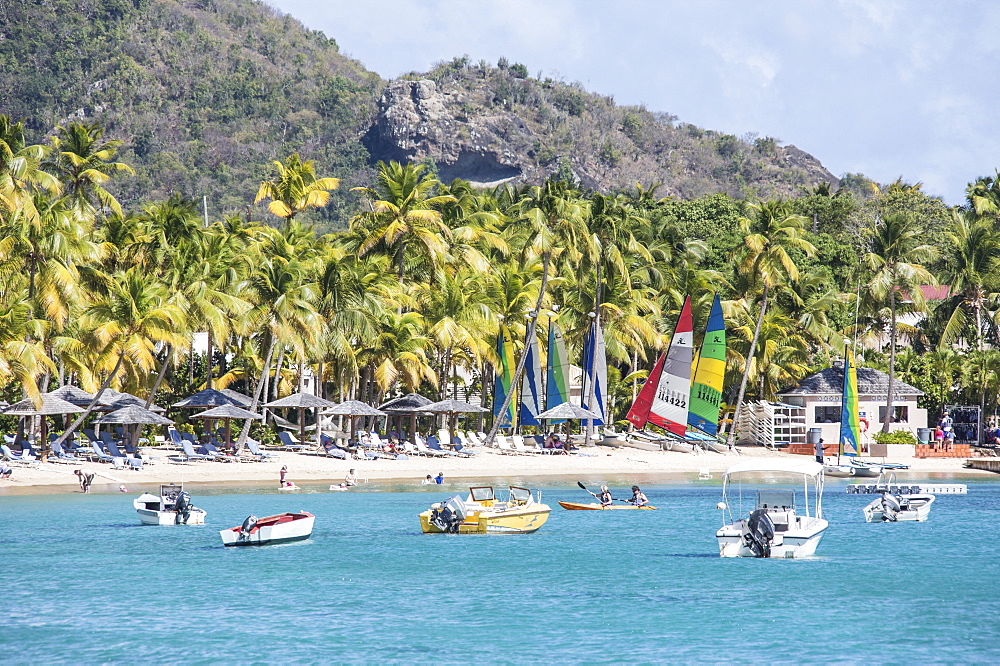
907	489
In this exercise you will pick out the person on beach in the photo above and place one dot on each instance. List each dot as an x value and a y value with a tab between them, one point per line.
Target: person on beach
638	497
351	479
281	481
819	451
429	481
604	497
86	478
439	479
5	472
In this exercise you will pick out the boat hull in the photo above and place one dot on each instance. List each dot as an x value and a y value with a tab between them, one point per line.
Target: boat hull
787	545
681	447
575	506
642	444
523	521
282	528
838	471
918	511
867	471
150	517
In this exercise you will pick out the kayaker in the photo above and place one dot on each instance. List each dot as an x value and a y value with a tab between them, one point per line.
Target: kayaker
605	496
638	497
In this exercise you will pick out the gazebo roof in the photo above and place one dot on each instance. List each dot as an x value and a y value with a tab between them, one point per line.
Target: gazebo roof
226	412
50	405
73	394
405	404
133	414
354	408
209	398
453	407
870	382
300	401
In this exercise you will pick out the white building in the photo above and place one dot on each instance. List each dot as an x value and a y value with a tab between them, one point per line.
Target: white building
821	395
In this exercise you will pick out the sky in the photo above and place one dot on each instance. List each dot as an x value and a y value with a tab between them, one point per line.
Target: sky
887	88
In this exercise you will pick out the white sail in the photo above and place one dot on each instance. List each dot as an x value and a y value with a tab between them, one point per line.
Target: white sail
670	401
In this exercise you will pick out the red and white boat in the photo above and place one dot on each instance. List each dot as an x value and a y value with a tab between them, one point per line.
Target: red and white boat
282	528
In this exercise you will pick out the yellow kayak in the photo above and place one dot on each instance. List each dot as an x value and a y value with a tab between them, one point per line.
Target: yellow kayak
576	506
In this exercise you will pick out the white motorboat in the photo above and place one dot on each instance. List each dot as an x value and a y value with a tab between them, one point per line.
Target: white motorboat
866	469
774	527
281	528
171	507
891	508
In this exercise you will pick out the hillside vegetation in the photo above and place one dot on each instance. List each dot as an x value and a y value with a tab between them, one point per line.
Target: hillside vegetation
206	93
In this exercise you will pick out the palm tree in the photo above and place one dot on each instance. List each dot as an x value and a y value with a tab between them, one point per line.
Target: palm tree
764	260
295	188
893	262
85	167
975	251
21	171
404	213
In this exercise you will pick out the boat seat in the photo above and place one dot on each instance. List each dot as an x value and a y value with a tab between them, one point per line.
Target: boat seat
782	520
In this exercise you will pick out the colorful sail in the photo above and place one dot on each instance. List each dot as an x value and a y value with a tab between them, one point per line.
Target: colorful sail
850	419
670	400
706	391
595	370
531	385
557	371
638	413
504	378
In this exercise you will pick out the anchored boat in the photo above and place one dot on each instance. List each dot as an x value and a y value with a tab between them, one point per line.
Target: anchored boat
483	513
171	507
774	527
891	508
282	528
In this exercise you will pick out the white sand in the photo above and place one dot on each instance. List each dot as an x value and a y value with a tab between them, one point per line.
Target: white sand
623	465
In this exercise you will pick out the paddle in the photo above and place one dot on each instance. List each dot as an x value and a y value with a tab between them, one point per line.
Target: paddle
595	494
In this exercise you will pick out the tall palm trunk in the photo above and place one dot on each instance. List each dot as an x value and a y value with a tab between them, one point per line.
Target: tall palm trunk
524	352
892	362
245	431
731	439
208	361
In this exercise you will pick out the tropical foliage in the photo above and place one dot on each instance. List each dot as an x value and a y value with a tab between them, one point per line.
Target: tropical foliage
411	297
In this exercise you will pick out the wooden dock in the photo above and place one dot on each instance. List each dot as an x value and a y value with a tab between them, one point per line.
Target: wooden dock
985	464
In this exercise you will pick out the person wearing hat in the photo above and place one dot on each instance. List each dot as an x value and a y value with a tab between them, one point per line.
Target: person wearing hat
638	497
605	496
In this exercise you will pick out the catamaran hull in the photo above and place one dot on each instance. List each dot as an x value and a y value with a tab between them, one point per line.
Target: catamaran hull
839	471
681	447
642	444
784	546
487	522
867	471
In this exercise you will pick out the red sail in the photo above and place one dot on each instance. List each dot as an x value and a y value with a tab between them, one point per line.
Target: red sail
638	413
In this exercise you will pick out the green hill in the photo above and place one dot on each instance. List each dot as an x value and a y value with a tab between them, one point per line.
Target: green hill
205	93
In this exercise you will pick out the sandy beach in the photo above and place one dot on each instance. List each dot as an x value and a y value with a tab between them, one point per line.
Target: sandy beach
593	464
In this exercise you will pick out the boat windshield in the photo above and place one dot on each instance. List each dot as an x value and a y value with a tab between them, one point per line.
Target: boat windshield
521	495
481	494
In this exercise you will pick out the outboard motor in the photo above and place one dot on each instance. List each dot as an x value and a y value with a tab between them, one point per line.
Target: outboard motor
247	527
890	508
449	516
759	533
182	505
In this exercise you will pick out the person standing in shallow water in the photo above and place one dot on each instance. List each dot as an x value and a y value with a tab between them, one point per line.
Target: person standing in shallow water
439	479
86	478
283	473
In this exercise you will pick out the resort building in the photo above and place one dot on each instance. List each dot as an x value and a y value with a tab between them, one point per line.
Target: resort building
820	395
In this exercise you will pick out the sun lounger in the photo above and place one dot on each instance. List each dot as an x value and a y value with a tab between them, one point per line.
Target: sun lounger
97	454
62	456
22	458
253	446
190	453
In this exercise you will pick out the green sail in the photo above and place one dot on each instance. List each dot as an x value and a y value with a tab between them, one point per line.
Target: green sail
706	389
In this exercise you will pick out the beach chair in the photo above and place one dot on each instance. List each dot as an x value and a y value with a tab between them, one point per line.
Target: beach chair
290	442
434	445
425	450
253	446
517	443
212	450
22	458
504	446
61	454
190	454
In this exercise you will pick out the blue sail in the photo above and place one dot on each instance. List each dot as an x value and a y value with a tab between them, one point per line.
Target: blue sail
595	371
531	385
503	382
556	372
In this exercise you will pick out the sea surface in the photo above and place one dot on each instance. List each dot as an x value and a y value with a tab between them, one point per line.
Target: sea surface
82	581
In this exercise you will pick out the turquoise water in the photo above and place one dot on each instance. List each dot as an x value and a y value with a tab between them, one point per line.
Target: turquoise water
82	581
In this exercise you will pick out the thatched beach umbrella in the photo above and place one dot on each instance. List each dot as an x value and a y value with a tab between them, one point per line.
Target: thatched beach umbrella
453	408
567	410
353	409
210	398
133	415
411	403
302	401
48	406
73	394
227	412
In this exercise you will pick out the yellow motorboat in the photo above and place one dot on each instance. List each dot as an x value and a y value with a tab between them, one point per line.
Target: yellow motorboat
482	513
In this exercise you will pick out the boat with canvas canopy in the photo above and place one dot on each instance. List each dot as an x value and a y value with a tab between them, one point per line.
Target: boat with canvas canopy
776	525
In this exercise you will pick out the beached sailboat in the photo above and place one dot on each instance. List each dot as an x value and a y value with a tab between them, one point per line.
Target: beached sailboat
595	376
663	399
503	383
849	439
531	398
709	376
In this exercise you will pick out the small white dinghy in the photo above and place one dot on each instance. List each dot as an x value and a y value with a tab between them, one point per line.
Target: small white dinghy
281	528
891	508
172	507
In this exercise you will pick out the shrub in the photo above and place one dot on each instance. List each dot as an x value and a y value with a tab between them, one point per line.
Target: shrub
897	437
